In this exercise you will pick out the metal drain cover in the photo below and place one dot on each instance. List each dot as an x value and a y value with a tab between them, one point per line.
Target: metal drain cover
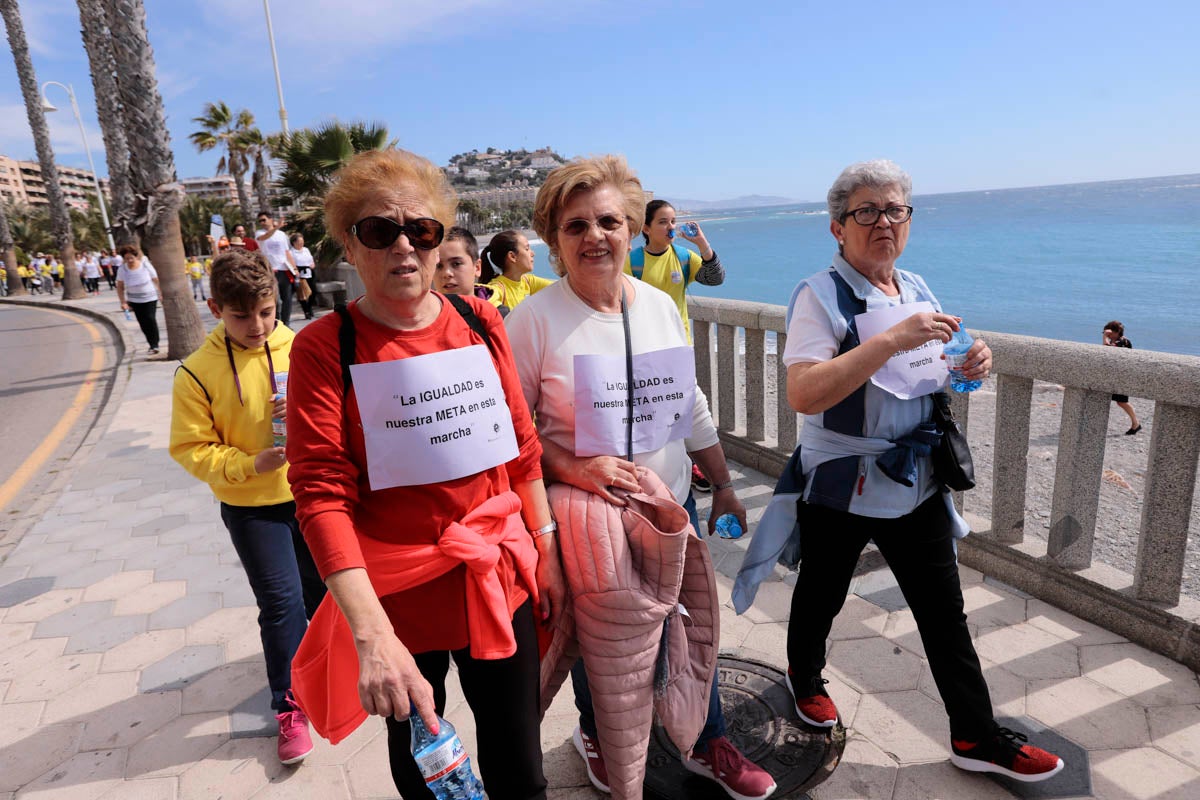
761	721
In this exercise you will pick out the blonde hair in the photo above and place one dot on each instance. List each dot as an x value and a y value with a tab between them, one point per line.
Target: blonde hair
585	175
373	174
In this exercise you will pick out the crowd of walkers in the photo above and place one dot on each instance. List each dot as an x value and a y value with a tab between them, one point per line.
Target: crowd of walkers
529	435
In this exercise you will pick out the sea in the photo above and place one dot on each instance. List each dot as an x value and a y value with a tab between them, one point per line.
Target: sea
1055	262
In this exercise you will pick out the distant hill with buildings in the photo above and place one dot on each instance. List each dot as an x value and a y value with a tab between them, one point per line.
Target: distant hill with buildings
495	169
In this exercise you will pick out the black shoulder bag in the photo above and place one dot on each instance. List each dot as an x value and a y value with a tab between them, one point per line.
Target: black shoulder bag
952	465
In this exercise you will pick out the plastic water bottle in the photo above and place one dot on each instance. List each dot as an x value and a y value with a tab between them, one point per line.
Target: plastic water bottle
687	229
127	314
443	761
728	527
956	355
279	426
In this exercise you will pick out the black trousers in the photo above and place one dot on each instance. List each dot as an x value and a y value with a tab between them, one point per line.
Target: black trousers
283	279
919	548
504	696
146	316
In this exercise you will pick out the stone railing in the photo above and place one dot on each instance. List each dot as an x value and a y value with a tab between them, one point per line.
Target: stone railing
758	428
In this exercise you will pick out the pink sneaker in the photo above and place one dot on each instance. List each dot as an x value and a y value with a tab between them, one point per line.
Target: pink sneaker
740	777
295	743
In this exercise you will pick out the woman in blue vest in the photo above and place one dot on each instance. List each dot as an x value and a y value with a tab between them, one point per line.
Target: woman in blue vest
855	490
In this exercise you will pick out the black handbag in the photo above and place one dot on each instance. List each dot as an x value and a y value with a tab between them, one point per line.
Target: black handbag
952	464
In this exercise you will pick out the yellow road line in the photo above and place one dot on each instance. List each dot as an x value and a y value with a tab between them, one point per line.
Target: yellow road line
16	482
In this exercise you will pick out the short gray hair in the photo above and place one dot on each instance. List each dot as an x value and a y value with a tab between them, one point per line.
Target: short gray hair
877	174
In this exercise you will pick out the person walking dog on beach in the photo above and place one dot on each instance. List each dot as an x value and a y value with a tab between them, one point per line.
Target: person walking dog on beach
1114	336
868	405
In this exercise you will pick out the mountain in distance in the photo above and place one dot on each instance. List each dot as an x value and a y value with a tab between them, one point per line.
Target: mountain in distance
745	201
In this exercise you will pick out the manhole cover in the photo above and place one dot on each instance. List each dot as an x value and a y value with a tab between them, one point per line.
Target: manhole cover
761	721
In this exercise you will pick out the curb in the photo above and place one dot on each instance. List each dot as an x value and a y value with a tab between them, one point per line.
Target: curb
118	380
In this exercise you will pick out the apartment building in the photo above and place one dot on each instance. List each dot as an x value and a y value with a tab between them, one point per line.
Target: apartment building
21	182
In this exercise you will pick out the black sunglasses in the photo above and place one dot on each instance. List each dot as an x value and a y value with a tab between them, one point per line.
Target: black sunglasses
379	233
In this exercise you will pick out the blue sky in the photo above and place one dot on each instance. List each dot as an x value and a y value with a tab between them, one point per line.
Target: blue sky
708	100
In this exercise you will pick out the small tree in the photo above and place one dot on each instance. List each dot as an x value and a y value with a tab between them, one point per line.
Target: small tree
220	127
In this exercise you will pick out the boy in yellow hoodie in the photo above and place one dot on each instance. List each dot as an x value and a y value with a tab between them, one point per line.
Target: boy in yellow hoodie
227	395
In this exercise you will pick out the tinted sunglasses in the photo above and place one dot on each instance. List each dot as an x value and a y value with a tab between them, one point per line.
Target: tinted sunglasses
379	233
577	227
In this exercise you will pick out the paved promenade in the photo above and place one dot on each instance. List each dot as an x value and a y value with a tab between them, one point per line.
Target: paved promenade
130	663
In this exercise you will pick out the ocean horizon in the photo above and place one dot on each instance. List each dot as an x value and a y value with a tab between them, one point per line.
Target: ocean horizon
1055	262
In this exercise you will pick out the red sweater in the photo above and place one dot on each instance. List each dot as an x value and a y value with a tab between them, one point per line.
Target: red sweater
334	502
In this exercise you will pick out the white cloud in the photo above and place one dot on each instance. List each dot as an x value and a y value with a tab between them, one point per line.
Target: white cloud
16	139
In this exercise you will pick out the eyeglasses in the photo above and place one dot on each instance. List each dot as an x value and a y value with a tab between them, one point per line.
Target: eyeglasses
379	233
578	227
869	215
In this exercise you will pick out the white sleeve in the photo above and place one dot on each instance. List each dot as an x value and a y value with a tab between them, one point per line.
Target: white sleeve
523	338
704	432
810	336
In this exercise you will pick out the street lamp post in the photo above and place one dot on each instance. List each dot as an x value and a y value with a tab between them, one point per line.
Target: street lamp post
275	61
48	106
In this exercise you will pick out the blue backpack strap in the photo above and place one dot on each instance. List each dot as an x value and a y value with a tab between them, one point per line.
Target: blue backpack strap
685	262
637	261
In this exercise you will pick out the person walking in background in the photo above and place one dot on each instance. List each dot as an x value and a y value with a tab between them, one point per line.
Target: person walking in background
244	241
304	267
225	398
91	273
195	273
274	244
864	481
1114	336
506	265
137	289
108	265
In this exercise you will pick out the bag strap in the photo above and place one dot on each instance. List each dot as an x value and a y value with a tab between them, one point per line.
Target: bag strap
685	261
472	319
637	261
207	396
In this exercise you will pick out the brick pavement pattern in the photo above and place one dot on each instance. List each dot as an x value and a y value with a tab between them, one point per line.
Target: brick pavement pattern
130	663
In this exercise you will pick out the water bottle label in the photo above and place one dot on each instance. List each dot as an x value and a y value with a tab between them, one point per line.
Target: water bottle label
442	760
955	360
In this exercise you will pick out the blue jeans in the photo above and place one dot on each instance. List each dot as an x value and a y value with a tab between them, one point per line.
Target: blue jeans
285	582
714	725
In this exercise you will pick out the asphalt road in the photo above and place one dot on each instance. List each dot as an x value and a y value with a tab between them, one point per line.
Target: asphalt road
56	369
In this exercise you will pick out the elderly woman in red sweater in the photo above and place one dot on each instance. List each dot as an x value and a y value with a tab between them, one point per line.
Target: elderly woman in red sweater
416	471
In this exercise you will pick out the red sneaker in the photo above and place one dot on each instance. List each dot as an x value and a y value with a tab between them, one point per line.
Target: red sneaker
1001	754
740	777
699	482
295	743
816	708
589	751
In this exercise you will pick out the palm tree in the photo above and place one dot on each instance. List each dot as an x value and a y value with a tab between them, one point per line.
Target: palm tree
195	217
72	284
220	127
310	156
152	172
8	251
97	42
257	148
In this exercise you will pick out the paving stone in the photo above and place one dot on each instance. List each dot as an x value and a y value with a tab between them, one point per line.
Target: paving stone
142	650
1008	692
368	772
154	557
80	535
225	687
1176	730
13	572
875	665
1073	781
987	607
237	595
53	677
133	518
254	716
880	588
180	668
20	720
219	579
113	515
901	628
21	591
1147	678
106	634
1028	652
85	776
1086	712
1143	773
223	625
127	722
191	533
1068	627
942	779
96	693
237	769
159	524
907	725
74	619
184	611
26	658
763	638
186	567
328	783
858	619
845	697
36	754
119	585
864	771
245	645
64	564
150	598
31	553
148	789
45	604
86	576
325	754
174	747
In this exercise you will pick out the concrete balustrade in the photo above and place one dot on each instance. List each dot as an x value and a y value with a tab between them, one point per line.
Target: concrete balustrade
739	368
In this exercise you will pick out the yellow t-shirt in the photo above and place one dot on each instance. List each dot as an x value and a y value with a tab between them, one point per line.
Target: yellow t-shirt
509	293
663	271
195	270
23	271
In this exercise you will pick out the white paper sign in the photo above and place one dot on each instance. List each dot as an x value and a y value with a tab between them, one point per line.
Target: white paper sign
664	391
433	418
908	374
